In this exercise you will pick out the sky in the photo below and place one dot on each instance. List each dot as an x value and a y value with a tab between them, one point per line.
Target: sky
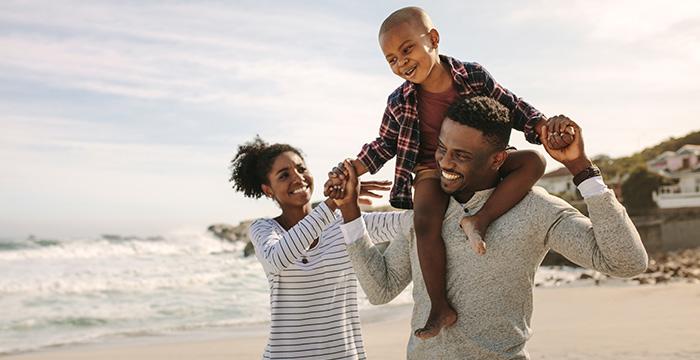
122	117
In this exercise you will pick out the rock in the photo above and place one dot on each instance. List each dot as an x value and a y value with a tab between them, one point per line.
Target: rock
231	233
647	281
586	276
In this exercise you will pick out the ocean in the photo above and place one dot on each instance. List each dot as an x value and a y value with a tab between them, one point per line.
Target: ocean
56	292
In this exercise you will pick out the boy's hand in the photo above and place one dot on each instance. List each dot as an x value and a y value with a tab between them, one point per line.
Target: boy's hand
474	228
338	172
558	131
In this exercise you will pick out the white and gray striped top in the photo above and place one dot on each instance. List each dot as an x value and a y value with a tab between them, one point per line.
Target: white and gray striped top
313	293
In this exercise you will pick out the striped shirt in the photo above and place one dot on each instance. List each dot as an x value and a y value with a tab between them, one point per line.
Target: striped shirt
313	293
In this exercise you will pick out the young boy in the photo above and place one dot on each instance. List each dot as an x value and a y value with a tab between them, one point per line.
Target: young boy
409	131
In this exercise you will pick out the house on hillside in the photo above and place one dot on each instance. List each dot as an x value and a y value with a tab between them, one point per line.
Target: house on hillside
687	157
684	167
561	182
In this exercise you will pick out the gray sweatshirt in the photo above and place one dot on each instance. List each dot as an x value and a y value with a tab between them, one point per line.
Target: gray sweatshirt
492	294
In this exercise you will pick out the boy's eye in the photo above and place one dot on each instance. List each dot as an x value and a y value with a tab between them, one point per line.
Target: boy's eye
407	49
392	61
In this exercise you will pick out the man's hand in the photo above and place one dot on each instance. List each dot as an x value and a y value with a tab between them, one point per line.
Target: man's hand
558	131
367	188
573	155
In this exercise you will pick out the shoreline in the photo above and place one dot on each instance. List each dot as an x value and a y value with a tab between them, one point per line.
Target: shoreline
570	323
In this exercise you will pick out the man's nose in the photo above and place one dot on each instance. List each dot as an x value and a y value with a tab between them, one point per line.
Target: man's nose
445	161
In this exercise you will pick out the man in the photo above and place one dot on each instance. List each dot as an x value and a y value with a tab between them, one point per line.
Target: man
492	293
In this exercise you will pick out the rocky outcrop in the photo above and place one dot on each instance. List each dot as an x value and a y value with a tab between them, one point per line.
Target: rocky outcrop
674	266
231	233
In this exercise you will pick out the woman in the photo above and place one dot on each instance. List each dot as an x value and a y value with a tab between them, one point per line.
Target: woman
313	288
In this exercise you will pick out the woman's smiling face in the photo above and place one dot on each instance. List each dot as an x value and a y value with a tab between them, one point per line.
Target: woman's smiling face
290	182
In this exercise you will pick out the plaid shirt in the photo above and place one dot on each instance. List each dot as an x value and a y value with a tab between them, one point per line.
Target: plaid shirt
399	134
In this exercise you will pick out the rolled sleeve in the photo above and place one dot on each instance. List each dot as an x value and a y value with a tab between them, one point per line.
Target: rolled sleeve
592	187
354	230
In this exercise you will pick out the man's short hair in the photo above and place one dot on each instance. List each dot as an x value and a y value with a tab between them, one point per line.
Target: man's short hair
486	115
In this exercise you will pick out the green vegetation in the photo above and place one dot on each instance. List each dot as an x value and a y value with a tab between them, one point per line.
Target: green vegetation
639	183
626	165
637	189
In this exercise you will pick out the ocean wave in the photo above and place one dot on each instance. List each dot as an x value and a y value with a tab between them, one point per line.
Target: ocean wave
114	245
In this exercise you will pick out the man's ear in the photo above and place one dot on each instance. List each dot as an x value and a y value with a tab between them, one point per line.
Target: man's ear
434	38
267	190
498	159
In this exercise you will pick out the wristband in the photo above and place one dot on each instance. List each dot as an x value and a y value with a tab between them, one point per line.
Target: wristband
587	173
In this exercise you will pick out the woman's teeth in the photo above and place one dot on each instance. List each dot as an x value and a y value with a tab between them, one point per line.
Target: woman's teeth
300	190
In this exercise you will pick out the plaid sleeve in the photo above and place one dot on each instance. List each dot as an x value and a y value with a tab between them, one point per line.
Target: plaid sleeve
375	154
523	115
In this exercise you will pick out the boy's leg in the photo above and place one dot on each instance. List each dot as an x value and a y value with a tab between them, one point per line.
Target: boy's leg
430	204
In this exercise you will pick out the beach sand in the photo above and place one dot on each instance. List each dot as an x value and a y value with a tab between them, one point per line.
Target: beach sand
570	323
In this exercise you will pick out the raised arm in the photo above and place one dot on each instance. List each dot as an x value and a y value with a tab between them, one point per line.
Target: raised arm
375	154
382	276
276	250
524	116
383	226
607	241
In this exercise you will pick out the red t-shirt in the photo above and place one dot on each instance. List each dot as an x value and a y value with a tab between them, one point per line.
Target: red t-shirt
431	113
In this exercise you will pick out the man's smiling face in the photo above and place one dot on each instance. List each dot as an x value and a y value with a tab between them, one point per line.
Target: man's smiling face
467	161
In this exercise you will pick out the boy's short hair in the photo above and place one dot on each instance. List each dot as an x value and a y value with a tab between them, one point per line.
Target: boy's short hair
486	115
411	14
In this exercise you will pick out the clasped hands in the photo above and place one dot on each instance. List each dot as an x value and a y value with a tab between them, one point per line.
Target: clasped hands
342	186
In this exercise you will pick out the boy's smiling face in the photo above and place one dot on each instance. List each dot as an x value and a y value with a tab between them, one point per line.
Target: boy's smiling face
410	51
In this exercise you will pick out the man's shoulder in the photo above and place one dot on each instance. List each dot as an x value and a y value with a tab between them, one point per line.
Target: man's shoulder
538	197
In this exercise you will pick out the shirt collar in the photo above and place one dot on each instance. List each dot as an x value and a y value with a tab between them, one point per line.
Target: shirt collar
457	69
473	205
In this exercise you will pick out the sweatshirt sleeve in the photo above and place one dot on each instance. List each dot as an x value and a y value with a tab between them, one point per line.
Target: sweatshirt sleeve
607	241
382	276
276	250
383	226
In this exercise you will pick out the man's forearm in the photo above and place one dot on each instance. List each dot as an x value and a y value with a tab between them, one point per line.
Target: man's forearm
350	212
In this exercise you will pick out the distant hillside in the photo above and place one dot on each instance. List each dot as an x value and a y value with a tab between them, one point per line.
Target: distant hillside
612	167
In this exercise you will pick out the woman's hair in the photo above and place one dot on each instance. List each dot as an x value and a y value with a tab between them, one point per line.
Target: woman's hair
251	164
